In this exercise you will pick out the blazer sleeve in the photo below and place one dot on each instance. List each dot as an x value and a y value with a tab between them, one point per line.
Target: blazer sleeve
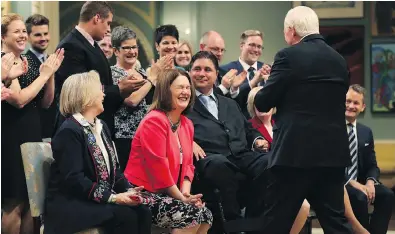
153	140
371	162
73	63
68	152
270	94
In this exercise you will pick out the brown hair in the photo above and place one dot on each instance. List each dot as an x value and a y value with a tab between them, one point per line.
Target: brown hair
35	20
359	89
6	20
162	97
249	33
92	8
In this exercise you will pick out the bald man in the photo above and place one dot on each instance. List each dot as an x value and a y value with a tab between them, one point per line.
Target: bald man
227	83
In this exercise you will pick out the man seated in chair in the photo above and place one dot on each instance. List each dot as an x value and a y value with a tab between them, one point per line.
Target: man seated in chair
362	184
224	139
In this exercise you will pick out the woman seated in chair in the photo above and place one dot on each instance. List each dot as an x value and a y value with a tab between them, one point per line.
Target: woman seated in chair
161	157
86	188
263	122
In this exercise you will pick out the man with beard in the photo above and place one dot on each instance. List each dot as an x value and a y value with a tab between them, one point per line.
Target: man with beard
38	35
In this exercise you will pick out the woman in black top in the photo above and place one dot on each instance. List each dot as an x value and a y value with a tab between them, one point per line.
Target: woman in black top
20	122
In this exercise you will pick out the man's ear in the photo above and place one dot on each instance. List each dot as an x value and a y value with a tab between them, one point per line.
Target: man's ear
363	107
201	46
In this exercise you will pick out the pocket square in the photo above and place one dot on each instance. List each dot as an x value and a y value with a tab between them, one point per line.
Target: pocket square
366	144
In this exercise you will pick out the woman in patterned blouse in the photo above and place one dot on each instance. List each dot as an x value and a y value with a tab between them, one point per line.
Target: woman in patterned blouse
135	107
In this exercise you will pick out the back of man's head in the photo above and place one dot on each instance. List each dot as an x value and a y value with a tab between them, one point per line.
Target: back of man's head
303	19
92	8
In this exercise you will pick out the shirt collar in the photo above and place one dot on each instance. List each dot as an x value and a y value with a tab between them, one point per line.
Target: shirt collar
246	66
81	119
86	35
210	95
38	54
354	124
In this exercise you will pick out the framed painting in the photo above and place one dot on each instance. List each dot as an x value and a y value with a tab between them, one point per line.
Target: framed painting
382	64
334	9
383	19
349	42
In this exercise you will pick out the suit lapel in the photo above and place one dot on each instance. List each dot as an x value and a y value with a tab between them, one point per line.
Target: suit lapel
221	108
360	138
84	41
201	109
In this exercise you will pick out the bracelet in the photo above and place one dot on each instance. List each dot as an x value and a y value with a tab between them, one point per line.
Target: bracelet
112	199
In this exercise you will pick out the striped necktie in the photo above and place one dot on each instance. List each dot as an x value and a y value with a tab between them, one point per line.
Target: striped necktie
251	73
353	170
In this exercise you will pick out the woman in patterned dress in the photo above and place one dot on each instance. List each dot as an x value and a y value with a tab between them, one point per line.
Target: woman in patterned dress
161	158
20	121
135	107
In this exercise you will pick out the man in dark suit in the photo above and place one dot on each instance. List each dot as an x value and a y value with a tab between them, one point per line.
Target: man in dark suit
227	83
83	54
363	184
37	27
251	46
224	139
309	152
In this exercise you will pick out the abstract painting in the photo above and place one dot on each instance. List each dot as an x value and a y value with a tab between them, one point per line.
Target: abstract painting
383	18
334	9
383	77
348	41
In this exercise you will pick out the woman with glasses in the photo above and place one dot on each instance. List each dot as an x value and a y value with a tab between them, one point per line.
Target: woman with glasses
135	107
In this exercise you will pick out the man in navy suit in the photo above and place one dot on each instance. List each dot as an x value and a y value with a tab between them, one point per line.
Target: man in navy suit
251	46
363	184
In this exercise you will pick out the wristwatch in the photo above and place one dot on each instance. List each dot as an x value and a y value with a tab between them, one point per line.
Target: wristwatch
113	198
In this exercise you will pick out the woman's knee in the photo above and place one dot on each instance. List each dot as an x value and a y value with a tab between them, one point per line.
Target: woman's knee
305	207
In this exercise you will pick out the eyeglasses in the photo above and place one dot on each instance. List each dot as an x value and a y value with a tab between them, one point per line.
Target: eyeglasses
129	48
217	50
253	45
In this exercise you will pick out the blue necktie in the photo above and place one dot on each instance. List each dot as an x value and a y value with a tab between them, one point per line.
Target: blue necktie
353	170
210	104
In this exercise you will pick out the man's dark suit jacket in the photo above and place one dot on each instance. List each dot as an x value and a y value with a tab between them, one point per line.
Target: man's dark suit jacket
81	56
308	85
245	88
367	164
231	128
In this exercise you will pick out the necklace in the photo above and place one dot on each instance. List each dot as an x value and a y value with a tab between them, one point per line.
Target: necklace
173	126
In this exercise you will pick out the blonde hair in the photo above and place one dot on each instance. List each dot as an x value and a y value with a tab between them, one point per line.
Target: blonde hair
187	44
250	101
303	19
6	20
77	92
250	33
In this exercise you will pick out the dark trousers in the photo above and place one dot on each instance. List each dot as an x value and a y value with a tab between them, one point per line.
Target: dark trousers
127	219
221	172
123	146
286	189
383	204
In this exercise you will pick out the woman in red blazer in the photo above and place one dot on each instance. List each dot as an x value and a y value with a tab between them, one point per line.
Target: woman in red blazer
161	157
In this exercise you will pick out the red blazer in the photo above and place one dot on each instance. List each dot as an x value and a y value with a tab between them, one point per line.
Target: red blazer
154	160
257	124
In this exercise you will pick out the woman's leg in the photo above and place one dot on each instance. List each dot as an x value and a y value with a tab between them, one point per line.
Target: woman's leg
27	226
301	218
203	229
144	218
356	225
191	230
125	220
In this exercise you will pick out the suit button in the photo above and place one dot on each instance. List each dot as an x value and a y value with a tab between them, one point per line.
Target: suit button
227	130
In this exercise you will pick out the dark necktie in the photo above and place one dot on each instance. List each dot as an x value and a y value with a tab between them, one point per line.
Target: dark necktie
353	170
251	73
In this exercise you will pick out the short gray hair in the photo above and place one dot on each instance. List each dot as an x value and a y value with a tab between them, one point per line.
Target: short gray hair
77	92
303	19
120	34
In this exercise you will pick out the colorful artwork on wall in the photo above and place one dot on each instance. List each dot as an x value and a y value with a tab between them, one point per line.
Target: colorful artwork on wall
383	77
